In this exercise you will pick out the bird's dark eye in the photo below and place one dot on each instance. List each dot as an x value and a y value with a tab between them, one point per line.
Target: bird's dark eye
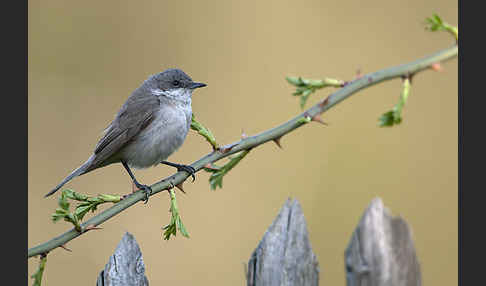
176	83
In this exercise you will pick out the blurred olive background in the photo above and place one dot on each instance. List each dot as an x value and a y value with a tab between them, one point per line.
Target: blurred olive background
86	57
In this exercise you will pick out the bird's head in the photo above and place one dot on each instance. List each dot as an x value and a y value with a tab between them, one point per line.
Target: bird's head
173	84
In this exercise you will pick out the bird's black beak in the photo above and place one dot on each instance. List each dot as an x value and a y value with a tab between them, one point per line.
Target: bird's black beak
195	85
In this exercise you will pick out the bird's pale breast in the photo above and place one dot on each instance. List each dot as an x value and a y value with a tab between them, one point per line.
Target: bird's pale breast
162	137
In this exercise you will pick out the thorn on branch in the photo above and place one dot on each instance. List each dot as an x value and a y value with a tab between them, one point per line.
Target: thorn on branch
181	187
324	102
211	167
436	67
317	118
243	134
277	141
226	149
91	227
65	248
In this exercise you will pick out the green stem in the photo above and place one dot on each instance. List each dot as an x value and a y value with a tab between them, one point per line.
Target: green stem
38	275
253	141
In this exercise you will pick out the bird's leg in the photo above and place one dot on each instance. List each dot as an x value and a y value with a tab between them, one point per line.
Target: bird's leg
145	188
180	167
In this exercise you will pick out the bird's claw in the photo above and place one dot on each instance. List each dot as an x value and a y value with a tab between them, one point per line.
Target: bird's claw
147	190
171	185
189	169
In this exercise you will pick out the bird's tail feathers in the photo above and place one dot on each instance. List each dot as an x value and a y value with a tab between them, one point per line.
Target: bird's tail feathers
79	171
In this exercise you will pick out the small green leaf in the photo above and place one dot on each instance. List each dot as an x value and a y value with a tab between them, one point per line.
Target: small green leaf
169	230
74	220
110	198
175	220
63	202
82	209
304	97
214	168
332	82
182	228
203	131
87	204
387	119
70	194
437	19
299	91
296	81
305	87
59	214
435	23
216	179
394	116
308	82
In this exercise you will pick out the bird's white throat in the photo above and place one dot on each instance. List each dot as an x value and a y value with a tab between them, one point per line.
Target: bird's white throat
178	94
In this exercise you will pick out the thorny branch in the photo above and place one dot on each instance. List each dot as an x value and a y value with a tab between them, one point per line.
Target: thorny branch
247	143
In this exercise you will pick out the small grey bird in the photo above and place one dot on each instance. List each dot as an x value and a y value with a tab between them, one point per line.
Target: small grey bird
149	127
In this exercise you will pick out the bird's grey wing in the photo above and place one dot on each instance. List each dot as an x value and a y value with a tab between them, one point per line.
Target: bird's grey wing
134	116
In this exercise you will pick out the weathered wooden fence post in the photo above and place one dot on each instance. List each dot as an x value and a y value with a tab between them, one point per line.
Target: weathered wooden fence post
284	255
381	251
125	267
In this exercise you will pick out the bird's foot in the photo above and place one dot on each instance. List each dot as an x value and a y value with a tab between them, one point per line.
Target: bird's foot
189	169
146	189
180	167
171	186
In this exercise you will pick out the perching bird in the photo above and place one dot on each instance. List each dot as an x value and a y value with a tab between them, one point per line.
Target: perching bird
149	127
